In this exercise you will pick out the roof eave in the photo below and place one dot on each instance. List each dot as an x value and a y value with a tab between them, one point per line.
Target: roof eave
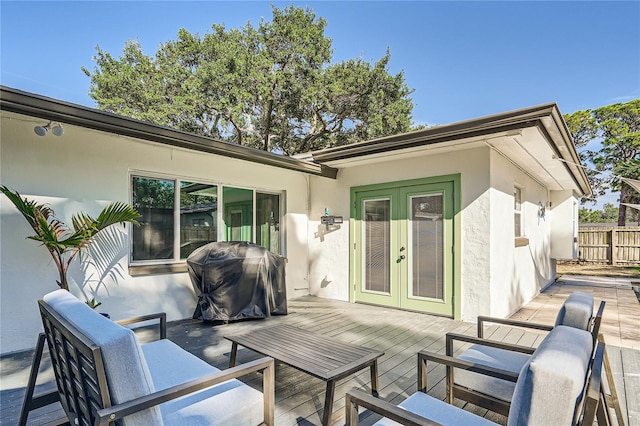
475	127
26	103
569	155
537	116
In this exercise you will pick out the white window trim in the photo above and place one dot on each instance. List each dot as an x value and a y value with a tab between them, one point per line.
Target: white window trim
179	265
522	239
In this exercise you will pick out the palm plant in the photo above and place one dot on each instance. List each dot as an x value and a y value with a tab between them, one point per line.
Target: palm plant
62	241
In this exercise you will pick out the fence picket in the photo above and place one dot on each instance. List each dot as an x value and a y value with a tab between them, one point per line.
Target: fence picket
614	245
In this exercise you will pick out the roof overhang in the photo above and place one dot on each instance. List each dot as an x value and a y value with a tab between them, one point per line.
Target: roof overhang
634	183
535	139
26	103
633	206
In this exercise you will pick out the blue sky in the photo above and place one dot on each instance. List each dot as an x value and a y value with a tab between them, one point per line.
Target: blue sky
463	59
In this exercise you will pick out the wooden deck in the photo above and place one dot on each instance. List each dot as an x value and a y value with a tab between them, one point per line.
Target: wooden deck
400	334
326	358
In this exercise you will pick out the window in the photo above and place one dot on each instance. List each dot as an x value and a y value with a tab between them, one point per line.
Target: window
198	216
154	200
238	216
174	223
517	211
268	221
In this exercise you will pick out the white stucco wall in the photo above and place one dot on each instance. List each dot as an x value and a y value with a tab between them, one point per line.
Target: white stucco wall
517	273
564	225
496	276
84	170
476	237
329	252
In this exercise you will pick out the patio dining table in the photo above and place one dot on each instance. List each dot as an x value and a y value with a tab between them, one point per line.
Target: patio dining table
320	356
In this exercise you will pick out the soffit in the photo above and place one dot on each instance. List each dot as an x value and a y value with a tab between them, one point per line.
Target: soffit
29	104
533	139
530	153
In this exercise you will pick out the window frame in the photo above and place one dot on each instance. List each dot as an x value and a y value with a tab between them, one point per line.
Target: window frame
520	239
144	267
517	211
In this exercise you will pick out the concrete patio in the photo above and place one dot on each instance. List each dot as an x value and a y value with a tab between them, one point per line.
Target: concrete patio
400	334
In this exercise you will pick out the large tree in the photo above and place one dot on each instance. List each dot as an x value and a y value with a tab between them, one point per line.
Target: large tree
608	214
273	86
617	128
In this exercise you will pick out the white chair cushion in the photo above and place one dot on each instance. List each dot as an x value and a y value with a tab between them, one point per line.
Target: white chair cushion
439	411
551	383
127	374
229	403
576	311
491	357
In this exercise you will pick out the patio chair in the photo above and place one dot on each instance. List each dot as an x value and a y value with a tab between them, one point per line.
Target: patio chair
495	393
558	385
576	311
104	375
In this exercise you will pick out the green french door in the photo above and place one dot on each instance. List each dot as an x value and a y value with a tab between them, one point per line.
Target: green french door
403	243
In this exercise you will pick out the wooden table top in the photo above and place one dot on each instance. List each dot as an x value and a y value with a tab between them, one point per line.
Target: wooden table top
321	356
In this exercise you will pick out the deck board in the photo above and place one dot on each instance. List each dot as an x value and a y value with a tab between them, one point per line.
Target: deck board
400	334
631	363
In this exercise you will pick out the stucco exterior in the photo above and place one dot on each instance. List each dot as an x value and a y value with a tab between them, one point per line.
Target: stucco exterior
564	227
326	260
496	276
492	272
518	273
84	170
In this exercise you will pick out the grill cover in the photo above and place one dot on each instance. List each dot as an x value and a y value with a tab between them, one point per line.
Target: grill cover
237	280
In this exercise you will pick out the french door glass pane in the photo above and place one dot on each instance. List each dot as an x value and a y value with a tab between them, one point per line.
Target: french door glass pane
377	245
154	199
198	216
268	221
427	246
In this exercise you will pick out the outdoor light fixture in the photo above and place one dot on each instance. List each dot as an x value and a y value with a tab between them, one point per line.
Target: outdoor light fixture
56	129
541	209
329	220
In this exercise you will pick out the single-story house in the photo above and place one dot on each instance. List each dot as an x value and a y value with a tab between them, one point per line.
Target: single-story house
460	220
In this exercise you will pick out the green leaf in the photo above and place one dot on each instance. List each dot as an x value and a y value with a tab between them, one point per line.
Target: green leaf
62	242
272	86
617	128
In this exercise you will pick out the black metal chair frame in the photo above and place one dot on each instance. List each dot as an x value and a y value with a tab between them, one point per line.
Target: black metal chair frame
82	384
475	396
590	407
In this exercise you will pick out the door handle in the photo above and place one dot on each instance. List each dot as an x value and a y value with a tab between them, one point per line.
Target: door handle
402	256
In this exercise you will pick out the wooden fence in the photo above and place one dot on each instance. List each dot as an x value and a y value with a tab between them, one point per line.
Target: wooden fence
613	245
